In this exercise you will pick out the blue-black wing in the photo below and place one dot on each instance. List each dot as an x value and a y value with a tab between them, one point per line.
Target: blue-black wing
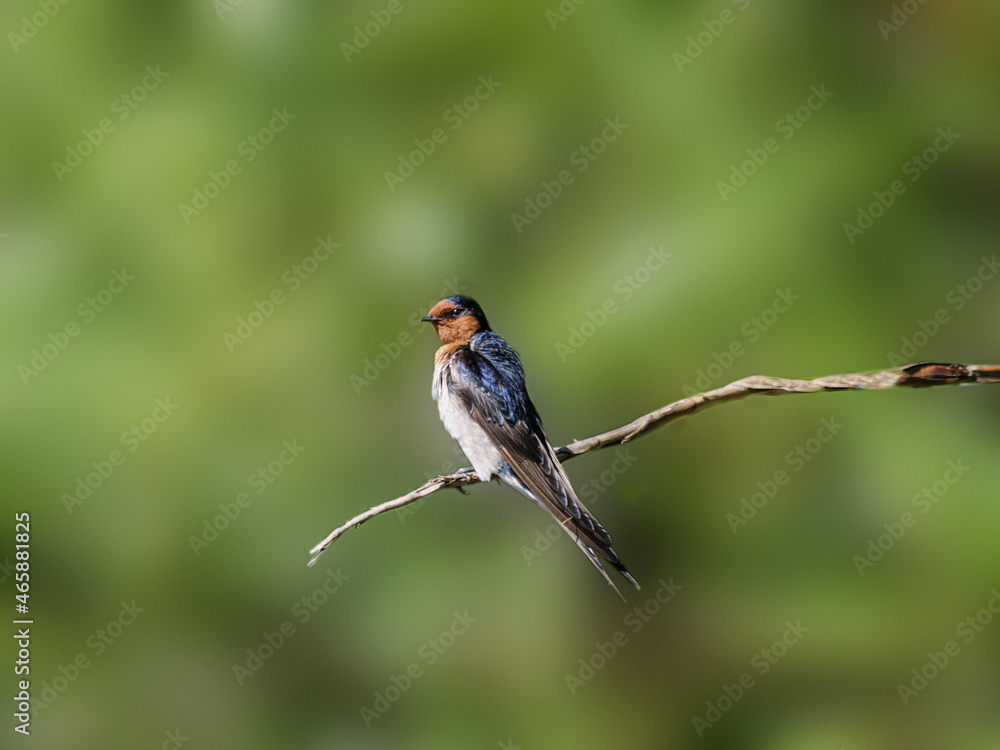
491	387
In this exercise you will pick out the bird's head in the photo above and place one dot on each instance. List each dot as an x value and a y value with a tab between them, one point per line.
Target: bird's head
456	319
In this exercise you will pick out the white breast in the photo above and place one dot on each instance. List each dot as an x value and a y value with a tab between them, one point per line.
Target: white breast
476	445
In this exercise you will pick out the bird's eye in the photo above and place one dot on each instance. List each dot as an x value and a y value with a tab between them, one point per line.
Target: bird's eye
456	311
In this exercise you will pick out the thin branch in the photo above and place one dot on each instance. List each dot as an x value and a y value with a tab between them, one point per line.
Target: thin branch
458	479
919	375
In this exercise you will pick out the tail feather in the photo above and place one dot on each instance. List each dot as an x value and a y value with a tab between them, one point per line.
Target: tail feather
581	526
597	564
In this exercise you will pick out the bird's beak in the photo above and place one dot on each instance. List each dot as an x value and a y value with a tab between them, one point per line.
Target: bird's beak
431	319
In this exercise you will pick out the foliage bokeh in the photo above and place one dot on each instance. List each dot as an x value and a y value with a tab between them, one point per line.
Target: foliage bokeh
340	366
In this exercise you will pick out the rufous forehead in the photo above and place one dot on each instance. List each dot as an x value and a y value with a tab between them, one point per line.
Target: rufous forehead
442	307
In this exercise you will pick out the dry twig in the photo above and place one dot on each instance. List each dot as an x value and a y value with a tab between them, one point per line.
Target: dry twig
919	375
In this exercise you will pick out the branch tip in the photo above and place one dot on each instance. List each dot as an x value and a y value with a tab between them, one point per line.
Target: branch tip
917	375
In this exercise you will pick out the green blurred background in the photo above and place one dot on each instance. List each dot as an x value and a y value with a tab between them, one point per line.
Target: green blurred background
339	370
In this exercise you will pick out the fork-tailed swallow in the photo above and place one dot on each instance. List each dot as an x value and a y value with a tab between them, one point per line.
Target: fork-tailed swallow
484	404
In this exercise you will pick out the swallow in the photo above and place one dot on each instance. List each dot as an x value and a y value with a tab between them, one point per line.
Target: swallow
484	404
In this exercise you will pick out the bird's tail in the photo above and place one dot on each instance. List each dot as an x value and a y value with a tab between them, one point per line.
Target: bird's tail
616	563
582	527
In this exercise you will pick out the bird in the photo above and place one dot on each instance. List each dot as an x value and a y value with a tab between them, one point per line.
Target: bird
483	402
